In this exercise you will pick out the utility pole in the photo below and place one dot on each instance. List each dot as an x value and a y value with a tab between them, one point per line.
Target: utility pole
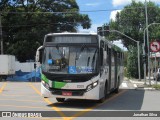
144	53
146	12
1	35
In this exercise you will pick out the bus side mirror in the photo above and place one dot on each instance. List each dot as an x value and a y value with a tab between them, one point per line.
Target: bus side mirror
37	56
39	53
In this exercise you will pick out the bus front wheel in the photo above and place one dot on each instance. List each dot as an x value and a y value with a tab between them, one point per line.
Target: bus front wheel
105	95
60	99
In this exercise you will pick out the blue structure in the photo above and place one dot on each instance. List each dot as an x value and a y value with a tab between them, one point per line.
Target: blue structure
26	76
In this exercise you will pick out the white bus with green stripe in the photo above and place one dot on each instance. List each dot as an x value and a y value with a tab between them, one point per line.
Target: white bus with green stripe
79	66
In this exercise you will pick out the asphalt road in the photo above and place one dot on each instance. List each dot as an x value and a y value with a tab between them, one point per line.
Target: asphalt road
24	96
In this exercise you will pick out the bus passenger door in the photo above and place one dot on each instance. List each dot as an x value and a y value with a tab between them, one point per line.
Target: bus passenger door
116	69
109	69
112	69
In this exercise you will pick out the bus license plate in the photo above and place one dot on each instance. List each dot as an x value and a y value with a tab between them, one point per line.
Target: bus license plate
67	93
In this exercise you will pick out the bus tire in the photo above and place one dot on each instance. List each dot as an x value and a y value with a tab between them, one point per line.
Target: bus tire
60	99
117	89
105	95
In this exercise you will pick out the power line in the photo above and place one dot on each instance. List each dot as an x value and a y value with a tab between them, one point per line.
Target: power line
62	23
75	12
38	24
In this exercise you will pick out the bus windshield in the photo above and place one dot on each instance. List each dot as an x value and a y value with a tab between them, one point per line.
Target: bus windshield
70	59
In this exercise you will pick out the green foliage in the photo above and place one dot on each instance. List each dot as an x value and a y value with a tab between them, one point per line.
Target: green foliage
132	63
25	22
157	87
131	21
125	58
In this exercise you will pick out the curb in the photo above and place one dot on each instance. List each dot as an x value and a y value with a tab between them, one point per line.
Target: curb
144	88
141	87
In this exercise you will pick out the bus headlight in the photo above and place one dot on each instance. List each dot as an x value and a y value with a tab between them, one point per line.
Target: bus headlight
95	84
91	86
45	84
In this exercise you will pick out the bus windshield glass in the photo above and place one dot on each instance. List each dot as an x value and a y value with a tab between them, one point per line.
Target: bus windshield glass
70	59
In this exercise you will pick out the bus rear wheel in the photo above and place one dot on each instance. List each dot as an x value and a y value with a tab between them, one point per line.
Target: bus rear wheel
60	99
117	89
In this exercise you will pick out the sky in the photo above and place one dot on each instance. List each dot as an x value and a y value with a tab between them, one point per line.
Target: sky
99	18
110	7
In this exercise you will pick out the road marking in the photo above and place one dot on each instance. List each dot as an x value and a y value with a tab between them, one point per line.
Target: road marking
152	82
51	119
135	85
137	82
91	108
79	113
18	95
124	85
25	107
2	88
49	102
22	100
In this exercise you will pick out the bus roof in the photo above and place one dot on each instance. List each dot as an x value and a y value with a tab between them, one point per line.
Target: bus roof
115	47
67	33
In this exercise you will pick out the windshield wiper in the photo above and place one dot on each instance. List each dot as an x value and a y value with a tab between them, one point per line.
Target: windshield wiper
81	50
88	61
93	60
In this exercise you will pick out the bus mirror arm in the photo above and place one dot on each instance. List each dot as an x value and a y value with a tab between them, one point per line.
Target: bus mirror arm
38	54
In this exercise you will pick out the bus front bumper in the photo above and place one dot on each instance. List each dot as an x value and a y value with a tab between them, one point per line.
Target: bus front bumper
93	94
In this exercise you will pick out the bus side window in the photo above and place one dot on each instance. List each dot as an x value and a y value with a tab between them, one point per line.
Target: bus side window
106	47
118	58
107	51
112	58
109	55
101	56
105	55
102	44
122	59
102	53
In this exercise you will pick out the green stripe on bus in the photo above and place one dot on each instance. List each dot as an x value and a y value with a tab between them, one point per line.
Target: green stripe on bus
43	77
58	84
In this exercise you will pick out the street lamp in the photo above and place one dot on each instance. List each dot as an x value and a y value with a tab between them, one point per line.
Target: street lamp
138	55
144	53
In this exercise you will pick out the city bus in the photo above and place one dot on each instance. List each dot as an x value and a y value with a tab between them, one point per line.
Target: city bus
79	66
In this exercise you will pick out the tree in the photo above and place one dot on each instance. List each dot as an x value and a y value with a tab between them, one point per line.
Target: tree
132	63
131	21
25	22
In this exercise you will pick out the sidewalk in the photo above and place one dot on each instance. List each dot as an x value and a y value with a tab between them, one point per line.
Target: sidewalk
140	85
